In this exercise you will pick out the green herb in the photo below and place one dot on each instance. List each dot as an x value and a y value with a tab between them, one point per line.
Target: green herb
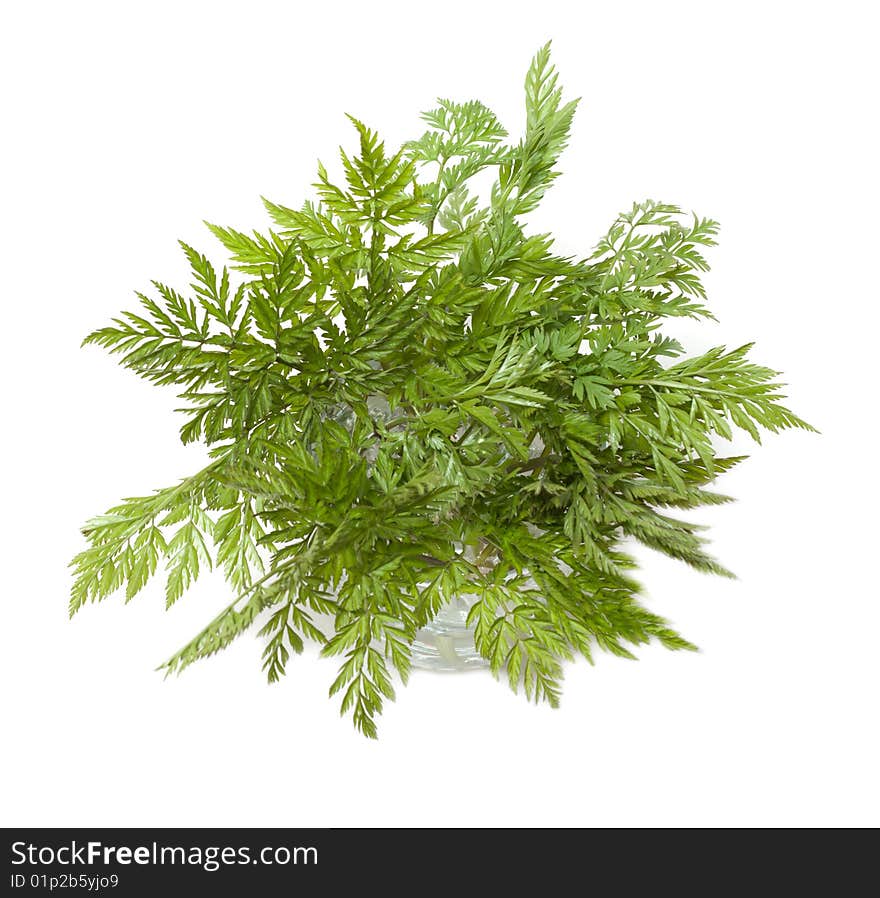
403	384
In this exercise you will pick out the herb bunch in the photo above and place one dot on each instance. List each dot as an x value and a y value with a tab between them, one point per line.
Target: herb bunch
400	382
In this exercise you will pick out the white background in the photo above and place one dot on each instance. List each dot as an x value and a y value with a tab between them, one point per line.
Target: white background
124	125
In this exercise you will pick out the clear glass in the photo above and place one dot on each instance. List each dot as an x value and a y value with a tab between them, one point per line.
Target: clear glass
447	642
